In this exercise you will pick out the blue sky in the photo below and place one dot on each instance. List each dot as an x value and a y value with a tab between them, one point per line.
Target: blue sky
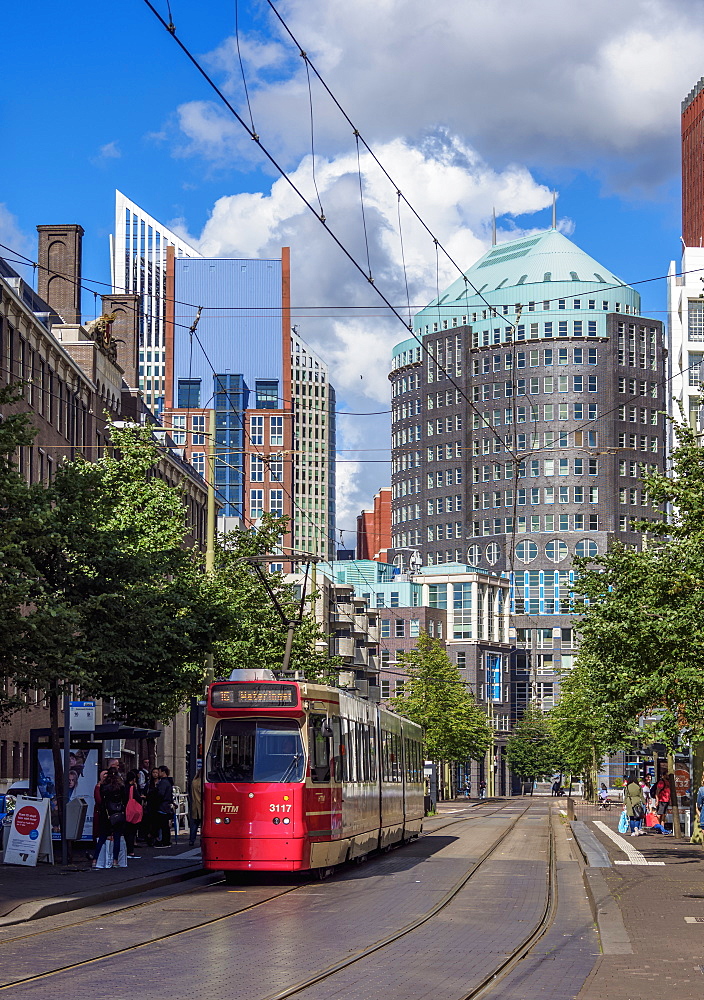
468	105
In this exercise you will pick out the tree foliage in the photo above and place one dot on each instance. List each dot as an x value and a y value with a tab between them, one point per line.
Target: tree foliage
642	628
436	697
531	751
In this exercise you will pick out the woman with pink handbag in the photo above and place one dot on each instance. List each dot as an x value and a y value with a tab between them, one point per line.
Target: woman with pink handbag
133	812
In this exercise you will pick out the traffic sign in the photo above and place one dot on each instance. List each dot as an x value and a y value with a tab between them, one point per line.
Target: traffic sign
82	716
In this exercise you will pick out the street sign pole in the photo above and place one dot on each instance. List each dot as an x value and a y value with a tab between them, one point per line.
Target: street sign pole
66	789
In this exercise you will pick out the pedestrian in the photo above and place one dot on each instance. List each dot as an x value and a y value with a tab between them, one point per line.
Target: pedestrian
195	811
556	787
113	801
468	789
633	801
482	789
645	789
96	811
152	810
603	796
164	801
134	813
143	776
662	798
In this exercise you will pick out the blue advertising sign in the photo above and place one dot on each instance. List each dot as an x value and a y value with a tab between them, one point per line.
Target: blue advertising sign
493	676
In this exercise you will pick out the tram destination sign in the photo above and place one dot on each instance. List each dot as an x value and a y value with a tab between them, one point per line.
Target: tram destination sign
251	695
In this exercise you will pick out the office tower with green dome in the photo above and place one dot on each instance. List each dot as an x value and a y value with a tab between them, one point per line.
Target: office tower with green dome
524	410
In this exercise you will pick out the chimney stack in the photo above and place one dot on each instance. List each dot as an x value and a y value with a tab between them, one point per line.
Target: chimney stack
59	279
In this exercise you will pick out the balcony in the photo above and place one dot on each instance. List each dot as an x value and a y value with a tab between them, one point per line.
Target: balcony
343	646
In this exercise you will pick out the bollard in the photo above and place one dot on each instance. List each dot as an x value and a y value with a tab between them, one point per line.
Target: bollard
570	808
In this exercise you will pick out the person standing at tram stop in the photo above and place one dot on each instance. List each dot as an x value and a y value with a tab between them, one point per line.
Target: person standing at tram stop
633	801
482	789
164	801
113	801
195	811
662	797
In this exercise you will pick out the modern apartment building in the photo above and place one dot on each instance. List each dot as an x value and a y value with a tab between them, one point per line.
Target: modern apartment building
138	267
524	410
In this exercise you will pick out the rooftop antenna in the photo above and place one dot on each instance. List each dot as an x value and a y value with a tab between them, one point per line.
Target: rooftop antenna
493	227
554	210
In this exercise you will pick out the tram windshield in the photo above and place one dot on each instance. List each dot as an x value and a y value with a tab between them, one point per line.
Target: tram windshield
249	751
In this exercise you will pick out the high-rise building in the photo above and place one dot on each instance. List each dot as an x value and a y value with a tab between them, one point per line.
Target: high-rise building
685	293
693	166
314	440
138	265
522	425
274	406
374	528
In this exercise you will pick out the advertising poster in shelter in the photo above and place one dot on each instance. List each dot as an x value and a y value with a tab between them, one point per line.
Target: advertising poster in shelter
82	779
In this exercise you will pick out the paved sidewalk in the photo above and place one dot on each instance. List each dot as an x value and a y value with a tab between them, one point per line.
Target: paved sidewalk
27	893
656	887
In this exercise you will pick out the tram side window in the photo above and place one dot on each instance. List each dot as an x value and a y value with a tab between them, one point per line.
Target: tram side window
412	761
372	754
396	773
319	749
385	755
337	747
345	726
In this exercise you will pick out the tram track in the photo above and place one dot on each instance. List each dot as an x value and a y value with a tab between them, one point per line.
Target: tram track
106	914
490	980
485	813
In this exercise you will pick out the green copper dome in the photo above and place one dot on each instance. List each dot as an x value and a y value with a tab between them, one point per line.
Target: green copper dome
545	267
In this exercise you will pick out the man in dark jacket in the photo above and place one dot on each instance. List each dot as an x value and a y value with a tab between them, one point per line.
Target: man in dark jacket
164	801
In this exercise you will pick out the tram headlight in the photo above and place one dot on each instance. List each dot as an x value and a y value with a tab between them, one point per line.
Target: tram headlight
276	821
286	821
226	820
218	820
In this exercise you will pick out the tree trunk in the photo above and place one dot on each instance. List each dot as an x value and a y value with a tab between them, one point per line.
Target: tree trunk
57	756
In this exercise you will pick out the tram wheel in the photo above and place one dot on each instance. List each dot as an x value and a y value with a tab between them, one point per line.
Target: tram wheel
324	873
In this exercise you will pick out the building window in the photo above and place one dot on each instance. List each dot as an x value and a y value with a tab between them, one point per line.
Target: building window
267	395
385	628
393	600
256	468
178	432
276	470
188	395
276	431
198	428
414	628
399	628
256	504
276	502
695	320
437	596
198	461
256	430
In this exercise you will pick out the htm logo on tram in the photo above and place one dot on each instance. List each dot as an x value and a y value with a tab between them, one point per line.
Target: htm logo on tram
229	808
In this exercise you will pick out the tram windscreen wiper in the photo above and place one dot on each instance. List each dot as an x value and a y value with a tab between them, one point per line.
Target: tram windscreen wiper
290	769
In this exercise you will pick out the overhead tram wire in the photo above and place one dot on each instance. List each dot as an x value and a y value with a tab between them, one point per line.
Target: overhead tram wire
276	310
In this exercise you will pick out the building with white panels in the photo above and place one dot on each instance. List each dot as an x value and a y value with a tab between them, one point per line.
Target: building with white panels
138	267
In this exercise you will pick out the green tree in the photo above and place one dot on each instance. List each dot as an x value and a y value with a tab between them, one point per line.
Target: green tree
256	636
642	626
437	698
531	751
25	517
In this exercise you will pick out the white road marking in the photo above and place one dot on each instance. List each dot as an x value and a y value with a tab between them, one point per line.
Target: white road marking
634	857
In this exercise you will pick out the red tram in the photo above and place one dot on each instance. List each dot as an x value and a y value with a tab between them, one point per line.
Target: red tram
300	776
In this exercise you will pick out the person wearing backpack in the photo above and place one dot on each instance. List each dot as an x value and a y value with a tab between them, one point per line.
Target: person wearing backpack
113	802
633	801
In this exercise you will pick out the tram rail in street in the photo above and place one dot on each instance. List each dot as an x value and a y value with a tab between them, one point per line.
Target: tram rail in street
485	812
